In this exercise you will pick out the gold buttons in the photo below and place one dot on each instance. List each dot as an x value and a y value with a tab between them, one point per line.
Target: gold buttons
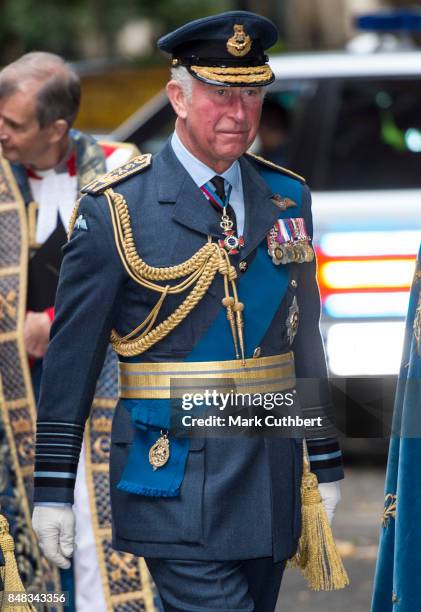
243	266
257	352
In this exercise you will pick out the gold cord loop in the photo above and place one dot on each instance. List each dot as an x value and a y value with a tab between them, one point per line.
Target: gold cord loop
197	272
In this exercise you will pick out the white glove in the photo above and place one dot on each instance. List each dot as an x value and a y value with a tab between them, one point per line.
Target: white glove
55	528
331	496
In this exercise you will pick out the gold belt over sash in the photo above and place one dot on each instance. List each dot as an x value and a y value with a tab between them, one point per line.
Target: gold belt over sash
165	380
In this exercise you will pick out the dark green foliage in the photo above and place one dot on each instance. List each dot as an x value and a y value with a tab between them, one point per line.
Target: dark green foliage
60	25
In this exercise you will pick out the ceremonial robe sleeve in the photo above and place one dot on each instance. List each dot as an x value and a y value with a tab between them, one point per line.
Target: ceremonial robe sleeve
310	363
86	307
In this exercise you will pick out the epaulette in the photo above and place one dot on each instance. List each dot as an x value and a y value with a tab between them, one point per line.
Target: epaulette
270	164
135	165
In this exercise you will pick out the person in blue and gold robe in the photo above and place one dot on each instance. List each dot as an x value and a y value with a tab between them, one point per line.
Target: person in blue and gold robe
397	584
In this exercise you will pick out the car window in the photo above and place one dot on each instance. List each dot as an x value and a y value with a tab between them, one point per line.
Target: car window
376	135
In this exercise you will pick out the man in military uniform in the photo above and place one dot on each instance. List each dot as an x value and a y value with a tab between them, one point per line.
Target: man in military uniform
43	165
196	263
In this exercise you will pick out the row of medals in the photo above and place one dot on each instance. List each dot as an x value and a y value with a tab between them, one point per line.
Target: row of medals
297	251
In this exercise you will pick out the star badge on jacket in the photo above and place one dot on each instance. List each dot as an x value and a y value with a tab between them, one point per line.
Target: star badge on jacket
292	320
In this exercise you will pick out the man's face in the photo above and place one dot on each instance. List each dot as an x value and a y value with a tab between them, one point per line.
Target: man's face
220	123
22	140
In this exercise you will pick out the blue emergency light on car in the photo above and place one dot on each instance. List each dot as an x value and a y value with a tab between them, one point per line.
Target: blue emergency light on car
390	21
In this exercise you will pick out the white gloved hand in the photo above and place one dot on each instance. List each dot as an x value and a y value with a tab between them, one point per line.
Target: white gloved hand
55	528
331	496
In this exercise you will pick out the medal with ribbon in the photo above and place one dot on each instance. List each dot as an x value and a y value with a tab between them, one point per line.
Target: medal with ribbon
214	191
288	241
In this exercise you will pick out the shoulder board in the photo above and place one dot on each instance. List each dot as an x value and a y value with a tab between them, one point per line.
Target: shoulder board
270	164
120	174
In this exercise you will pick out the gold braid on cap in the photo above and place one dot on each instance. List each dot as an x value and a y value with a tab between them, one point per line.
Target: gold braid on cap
240	74
199	271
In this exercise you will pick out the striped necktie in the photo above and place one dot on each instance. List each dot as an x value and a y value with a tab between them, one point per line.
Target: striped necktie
219	183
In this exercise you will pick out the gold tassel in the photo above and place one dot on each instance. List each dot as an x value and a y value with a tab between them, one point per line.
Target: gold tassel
317	556
9	572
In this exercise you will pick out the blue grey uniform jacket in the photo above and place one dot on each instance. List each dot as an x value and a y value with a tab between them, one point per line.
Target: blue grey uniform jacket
240	497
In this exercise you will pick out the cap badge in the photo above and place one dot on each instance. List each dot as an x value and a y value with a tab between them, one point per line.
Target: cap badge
240	43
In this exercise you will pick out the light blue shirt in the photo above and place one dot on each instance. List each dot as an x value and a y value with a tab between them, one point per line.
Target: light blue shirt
201	174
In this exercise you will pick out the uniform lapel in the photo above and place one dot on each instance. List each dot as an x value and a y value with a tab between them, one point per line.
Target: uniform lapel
260	212
175	186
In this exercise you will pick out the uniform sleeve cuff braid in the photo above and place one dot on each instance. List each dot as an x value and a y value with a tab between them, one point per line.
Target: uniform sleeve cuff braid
58	447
